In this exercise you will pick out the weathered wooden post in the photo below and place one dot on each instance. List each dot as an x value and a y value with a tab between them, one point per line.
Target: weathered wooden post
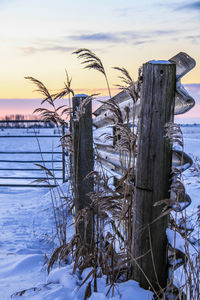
83	162
153	175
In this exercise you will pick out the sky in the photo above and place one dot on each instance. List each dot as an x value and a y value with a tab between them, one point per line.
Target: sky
38	38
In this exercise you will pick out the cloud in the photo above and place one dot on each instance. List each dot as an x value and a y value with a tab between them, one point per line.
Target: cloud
137	37
141	42
193	6
134	37
148	35
123	12
193	37
55	48
109	37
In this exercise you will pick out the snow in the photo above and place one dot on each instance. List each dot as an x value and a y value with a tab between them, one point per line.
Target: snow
160	62
176	239
27	237
126	291
81	96
24	238
191	135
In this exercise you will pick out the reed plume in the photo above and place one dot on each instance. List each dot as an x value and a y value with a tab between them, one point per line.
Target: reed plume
92	61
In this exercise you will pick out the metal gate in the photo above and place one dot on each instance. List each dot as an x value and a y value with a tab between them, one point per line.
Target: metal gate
25	154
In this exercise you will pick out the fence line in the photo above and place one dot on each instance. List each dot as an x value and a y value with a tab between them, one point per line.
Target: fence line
39	161
163	96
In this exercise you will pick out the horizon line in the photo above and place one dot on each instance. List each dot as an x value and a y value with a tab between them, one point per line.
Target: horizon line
116	90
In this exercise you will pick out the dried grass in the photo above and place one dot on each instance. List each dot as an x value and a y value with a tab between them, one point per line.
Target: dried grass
112	204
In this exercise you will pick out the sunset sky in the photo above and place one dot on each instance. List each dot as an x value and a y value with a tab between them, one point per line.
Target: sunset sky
38	38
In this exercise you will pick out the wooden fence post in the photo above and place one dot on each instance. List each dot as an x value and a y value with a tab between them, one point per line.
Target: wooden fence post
83	162
153	175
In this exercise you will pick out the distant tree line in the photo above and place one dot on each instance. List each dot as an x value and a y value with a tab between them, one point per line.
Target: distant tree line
4	122
19	117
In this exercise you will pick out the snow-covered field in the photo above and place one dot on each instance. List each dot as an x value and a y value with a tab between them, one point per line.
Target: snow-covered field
191	136
27	232
30	144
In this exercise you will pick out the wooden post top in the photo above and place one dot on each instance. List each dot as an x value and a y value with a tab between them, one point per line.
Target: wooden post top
81	96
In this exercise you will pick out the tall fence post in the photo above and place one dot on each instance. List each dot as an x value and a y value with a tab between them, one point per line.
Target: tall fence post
153	173
83	162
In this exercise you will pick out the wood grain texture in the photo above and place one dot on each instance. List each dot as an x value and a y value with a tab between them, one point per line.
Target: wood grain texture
83	162
153	174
